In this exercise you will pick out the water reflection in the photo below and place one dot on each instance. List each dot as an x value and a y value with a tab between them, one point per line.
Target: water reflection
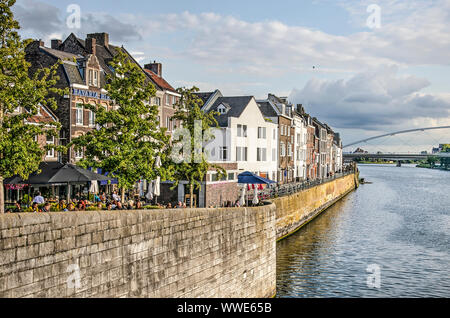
400	222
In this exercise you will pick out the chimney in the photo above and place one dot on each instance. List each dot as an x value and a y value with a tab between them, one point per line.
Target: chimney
101	38
56	44
40	42
91	45
300	109
155	68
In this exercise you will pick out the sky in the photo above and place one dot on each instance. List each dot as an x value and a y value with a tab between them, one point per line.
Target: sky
364	67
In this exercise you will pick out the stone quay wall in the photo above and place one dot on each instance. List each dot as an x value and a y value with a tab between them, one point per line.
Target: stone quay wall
226	253
296	210
153	253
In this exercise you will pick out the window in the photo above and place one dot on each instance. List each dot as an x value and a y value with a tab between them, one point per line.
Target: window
274	134
261	132
231	176
223	154
79	115
242	130
299	139
261	154
91	77
168	123
96	78
274	154
78	153
50	141
168	99
282	149
91	118
157	101
241	153
289	150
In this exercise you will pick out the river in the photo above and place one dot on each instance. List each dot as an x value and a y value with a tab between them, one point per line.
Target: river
390	238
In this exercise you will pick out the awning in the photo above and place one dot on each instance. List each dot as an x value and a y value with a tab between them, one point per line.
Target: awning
251	178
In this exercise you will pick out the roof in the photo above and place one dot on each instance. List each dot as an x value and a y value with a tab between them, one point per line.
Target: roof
45	116
267	109
235	104
64	56
161	82
204	96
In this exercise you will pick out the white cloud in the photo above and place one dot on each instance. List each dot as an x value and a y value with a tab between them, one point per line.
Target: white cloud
378	99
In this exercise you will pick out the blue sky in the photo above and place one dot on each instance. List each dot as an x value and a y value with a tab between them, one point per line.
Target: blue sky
364	81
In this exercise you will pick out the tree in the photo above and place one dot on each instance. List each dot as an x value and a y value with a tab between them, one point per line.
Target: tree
196	132
432	160
21	95
128	138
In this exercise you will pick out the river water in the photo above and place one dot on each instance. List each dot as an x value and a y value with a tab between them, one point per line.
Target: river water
387	239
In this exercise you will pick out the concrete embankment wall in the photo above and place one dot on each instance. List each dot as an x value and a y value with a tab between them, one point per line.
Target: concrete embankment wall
296	210
154	253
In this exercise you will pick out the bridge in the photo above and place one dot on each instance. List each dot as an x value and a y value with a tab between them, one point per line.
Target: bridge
390	155
394	134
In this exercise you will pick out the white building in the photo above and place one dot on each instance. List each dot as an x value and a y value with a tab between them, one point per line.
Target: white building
300	145
244	136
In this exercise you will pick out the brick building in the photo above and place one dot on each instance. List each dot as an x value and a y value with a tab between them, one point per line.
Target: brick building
83	71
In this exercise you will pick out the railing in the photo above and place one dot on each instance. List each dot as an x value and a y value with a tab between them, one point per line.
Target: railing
295	187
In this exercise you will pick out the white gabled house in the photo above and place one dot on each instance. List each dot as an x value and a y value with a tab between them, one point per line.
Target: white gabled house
244	136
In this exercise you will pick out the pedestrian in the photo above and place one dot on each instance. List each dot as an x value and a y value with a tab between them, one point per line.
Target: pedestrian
38	198
116	196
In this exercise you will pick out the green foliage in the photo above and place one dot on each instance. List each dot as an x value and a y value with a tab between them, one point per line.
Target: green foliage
128	138
189	112
19	152
432	160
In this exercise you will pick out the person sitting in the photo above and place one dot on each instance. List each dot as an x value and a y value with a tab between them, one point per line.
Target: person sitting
81	206
138	205
119	206
169	205
70	207
38	198
99	206
184	205
46	208
34	208
17	207
180	205
61	205
109	206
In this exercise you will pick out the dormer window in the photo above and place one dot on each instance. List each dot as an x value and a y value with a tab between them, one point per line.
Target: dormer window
222	109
